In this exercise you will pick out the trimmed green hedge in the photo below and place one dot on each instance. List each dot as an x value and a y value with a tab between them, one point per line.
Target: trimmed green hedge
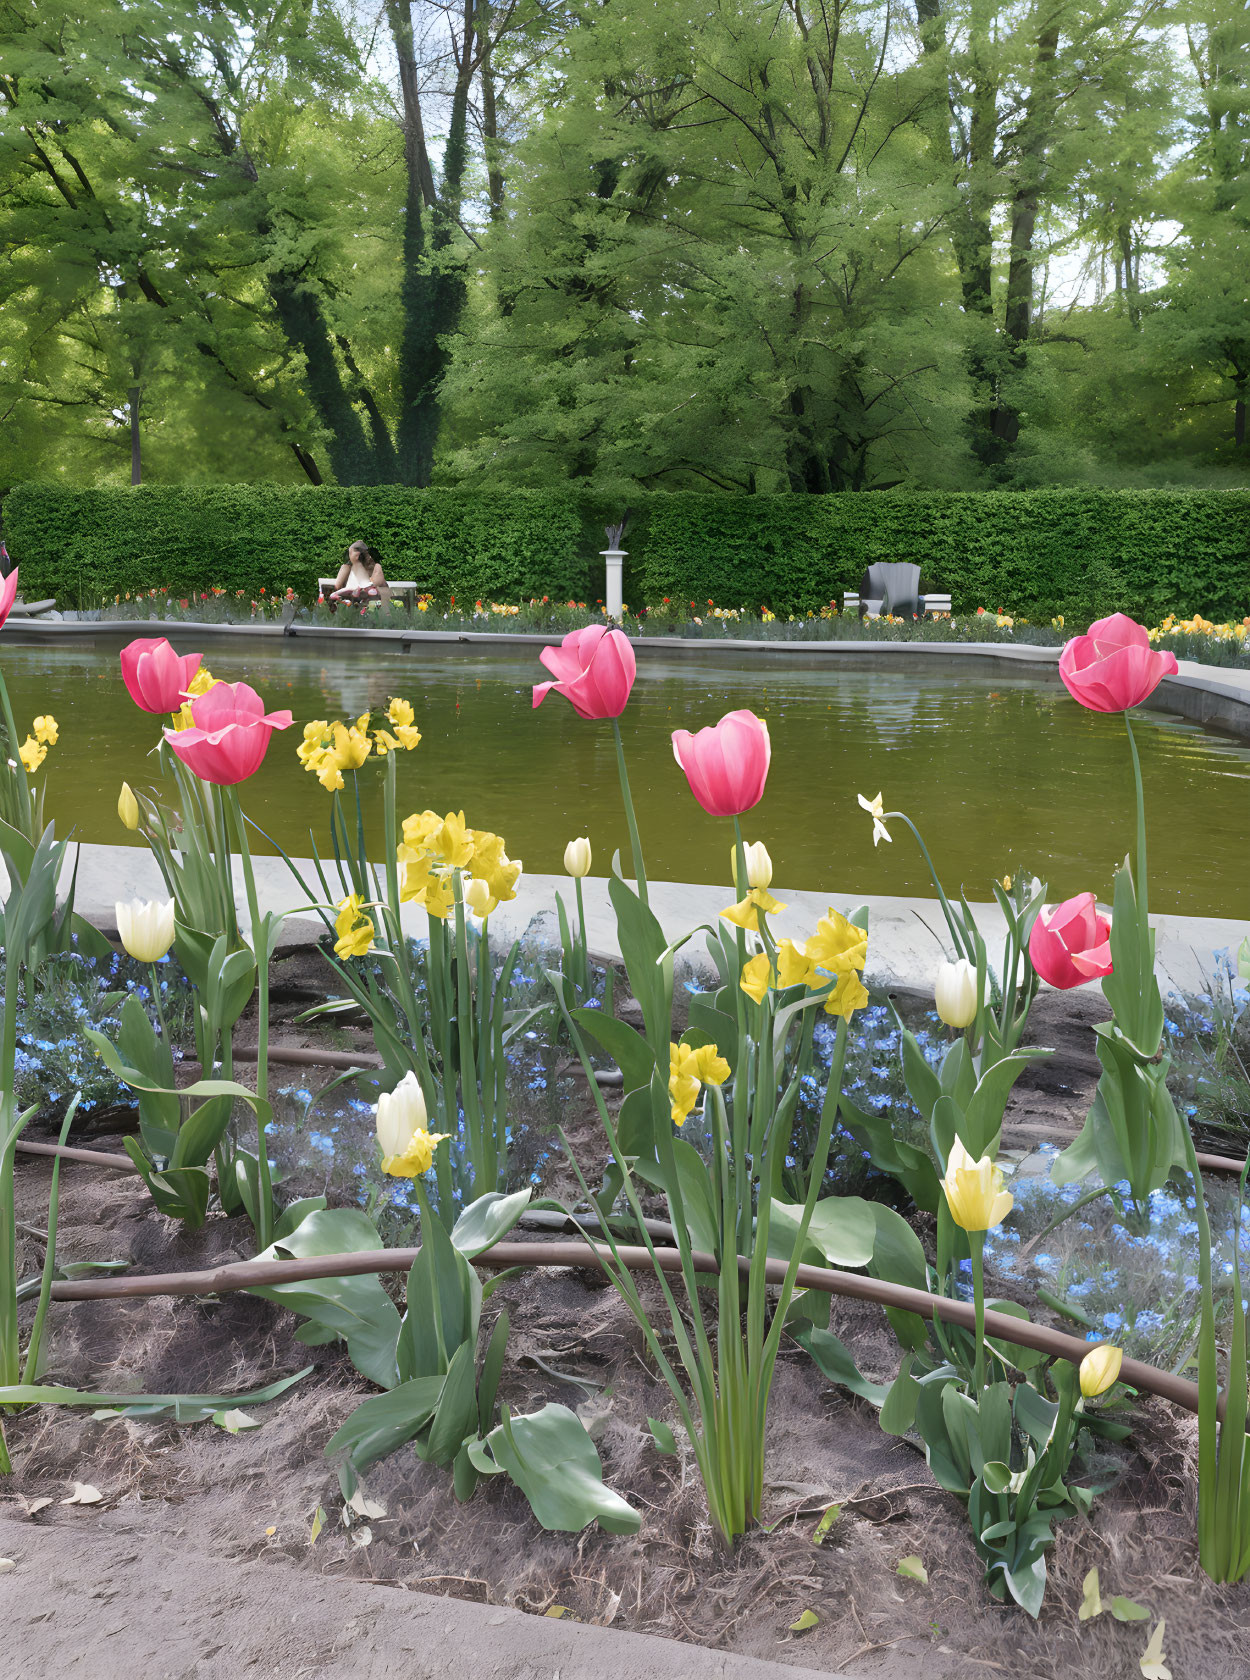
1036	553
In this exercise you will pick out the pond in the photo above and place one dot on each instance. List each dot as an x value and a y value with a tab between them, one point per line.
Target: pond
1000	773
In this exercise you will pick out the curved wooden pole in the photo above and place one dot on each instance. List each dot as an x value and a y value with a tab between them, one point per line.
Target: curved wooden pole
251	1274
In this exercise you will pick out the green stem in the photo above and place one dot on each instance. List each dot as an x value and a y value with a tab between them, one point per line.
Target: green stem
260	950
962	942
8	1217
582	978
1142	918
640	873
976	1245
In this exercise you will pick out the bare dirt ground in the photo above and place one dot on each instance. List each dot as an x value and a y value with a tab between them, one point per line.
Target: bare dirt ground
227	1508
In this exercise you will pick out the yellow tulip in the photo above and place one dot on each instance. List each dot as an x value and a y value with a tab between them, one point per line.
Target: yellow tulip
756	978
354	928
1100	1369
974	1190
477	895
747	912
31	754
759	864
128	807
577	858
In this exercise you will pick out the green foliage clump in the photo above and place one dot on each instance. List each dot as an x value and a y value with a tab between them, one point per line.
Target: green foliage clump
1082	553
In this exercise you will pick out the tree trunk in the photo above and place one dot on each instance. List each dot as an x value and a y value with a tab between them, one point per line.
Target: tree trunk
1239	420
1034	143
303	323
136	465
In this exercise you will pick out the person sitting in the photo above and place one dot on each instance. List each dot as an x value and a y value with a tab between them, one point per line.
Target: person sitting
360	577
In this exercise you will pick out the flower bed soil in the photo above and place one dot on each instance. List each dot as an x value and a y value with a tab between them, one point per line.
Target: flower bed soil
249	1500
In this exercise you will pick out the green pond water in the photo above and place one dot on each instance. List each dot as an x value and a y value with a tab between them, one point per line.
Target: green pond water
1000	774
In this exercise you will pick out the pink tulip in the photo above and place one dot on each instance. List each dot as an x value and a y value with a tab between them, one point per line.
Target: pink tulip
8	594
726	766
594	670
156	677
229	734
1071	943
1114	666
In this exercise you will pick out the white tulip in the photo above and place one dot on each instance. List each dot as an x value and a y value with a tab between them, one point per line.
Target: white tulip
955	993
759	864
401	1114
146	929
577	857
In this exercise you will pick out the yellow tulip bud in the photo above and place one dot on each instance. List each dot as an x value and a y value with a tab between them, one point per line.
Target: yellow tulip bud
759	864
146	930
128	807
1100	1369
577	857
477	895
955	993
974	1190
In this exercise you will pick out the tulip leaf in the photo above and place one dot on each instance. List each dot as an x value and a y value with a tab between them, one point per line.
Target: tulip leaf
831	1515
488	1219
1091	1602
662	1435
553	1461
911	1569
808	1619
1127	1610
382	1423
835	1361
627	1048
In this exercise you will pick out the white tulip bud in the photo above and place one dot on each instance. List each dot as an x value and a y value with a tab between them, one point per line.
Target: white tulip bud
401	1114
577	857
759	864
955	993
146	929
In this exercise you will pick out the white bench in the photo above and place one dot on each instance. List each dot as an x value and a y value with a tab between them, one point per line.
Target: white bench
405	590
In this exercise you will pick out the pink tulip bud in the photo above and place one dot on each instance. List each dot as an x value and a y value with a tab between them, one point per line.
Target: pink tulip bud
1114	666
726	766
156	677
229	735
8	594
1071	943
593	669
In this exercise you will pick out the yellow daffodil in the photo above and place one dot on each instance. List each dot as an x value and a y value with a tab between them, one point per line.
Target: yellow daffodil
128	807
974	1190
354	928
876	810
419	827
46	730
450	843
1100	1369
351	746
493	865
849	995
747	912
794	967
200	683
384	742
756	977
407	1147
31	754
400	711
837	945
688	1069
439	897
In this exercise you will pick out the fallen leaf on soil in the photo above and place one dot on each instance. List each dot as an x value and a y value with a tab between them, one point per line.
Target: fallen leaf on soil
362	1536
363	1506
235	1420
6	1564
808	1619
1091	1604
83	1494
911	1569
318	1523
270	1532
555	1611
826	1523
37	1505
1123	1609
1151	1660
662	1435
